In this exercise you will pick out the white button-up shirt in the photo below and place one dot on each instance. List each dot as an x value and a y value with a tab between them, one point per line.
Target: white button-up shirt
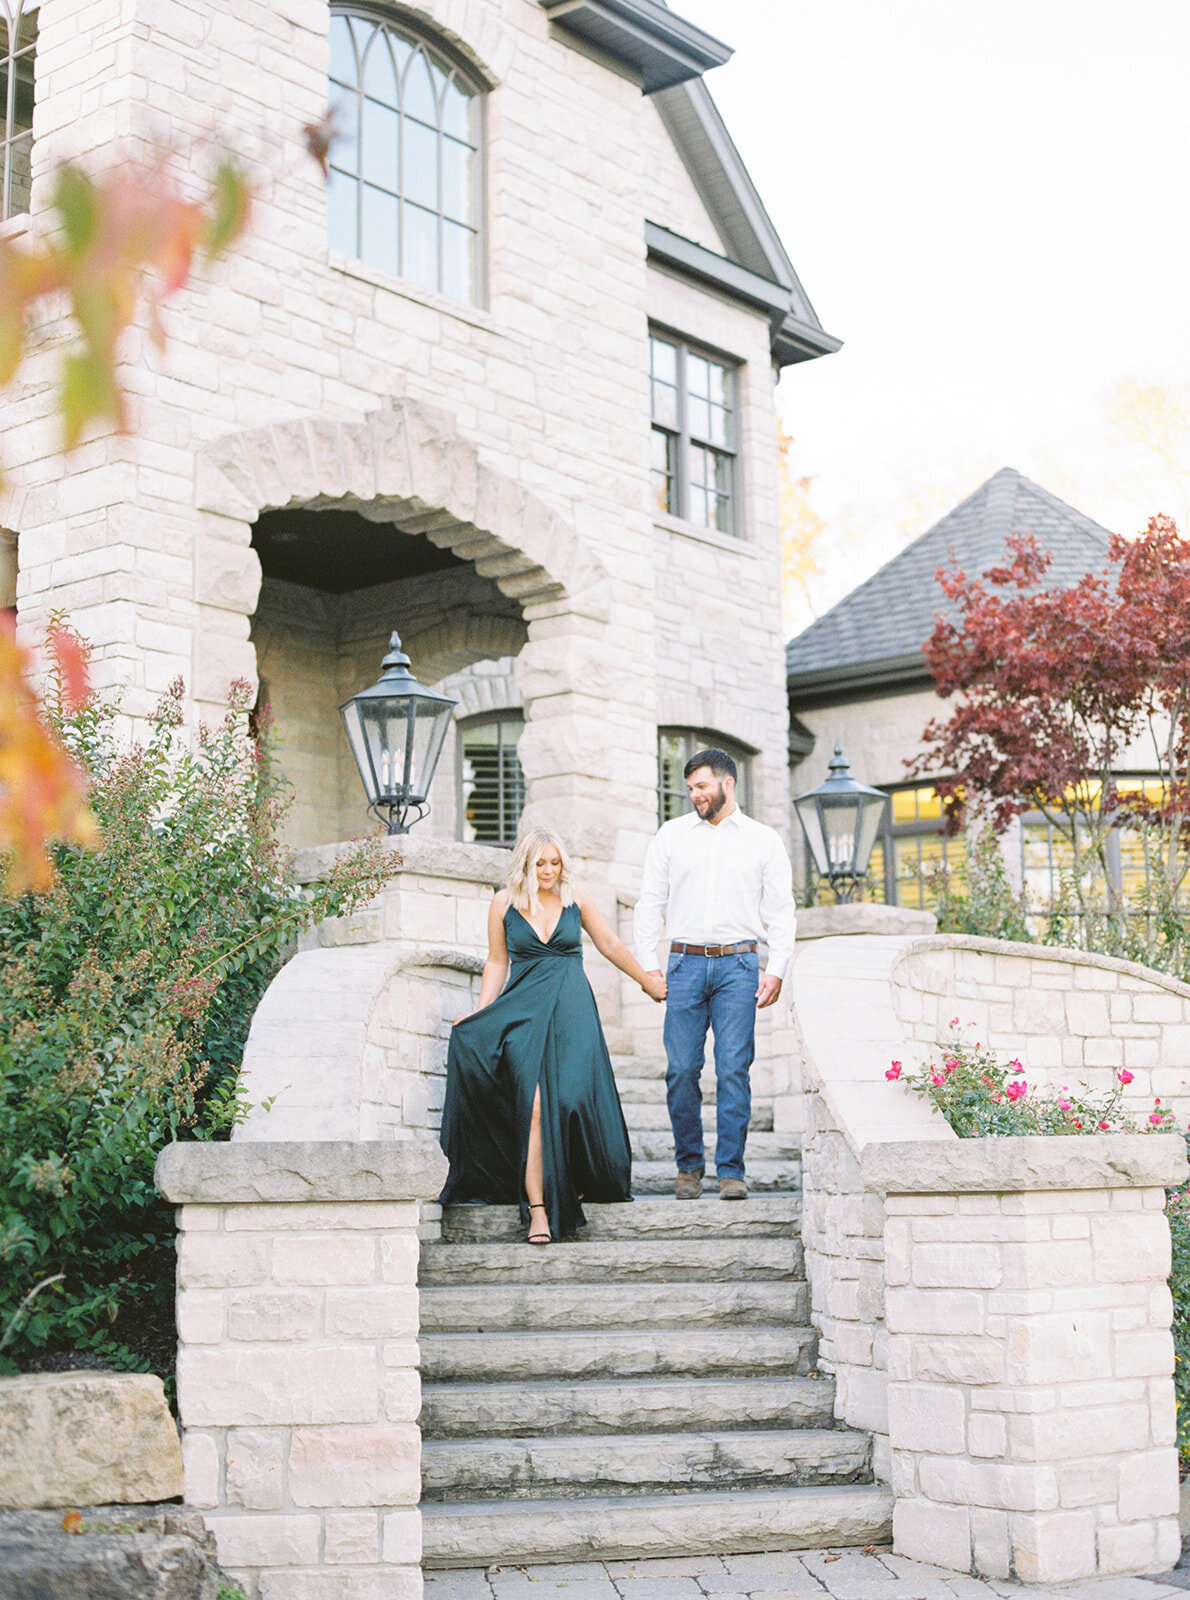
716	883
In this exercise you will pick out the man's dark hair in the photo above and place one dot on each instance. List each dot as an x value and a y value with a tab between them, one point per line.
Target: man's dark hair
719	762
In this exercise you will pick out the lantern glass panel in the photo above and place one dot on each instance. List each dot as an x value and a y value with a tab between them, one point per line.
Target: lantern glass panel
869	826
431	718
841	824
811	821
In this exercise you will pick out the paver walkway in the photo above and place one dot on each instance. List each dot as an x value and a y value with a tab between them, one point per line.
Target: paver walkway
793	1575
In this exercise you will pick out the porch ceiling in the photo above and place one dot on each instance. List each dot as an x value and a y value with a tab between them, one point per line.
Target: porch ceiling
341	551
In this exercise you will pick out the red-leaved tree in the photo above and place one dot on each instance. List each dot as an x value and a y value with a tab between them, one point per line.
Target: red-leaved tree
1055	683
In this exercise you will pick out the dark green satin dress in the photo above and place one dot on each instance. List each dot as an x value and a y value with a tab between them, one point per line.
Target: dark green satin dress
542	1030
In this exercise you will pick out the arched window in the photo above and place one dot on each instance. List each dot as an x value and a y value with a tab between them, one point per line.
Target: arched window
18	42
404	180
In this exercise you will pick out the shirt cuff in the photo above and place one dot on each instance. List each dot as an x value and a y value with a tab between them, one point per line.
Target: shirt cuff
777	967
648	959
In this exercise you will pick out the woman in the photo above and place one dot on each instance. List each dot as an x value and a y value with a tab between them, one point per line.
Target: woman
532	1115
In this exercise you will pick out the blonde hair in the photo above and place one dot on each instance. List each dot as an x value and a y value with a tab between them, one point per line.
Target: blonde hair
522	869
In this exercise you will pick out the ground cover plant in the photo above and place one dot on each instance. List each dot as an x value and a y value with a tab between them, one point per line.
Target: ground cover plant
126	991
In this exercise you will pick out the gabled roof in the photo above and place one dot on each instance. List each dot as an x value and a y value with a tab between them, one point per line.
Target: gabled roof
750	240
872	641
670	55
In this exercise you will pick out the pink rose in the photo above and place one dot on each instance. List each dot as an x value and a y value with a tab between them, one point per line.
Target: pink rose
894	1071
1124	1075
1017	1090
937	1079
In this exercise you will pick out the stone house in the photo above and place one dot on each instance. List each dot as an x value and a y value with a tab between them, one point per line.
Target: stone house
506	383
857	675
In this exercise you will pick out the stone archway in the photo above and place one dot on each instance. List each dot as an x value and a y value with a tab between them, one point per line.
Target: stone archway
407	465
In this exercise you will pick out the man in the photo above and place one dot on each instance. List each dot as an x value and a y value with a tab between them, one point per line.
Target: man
715	881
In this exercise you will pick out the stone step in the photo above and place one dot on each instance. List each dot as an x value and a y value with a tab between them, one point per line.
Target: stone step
633	1527
776	1215
555	1307
637	1066
585	1260
656	1176
646	1463
617	1354
657	1144
640	1405
654	1114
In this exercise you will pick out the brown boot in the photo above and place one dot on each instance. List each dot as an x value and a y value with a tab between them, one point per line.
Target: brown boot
688	1185
733	1189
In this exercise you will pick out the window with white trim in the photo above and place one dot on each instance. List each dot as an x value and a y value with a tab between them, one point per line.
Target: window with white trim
18	46
693	401
404	188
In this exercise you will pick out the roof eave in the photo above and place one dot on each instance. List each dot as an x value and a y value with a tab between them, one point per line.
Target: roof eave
664	49
793	339
838	685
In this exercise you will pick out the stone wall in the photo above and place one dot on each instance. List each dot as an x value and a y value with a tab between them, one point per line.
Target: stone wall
349	1040
536	453
298	1386
995	1311
1069	1017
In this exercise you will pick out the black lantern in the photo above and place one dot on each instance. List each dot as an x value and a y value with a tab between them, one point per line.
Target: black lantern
396	730
841	819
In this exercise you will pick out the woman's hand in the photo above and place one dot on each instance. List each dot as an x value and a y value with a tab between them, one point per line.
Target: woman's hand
654	986
463	1018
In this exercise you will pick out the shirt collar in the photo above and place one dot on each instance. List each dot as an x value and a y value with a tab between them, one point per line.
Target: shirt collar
734	819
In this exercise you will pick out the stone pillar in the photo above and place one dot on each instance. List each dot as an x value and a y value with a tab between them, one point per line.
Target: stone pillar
1031	1409
298	1383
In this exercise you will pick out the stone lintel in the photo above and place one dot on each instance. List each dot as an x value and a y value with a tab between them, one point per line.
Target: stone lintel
246	1172
1030	1162
427	858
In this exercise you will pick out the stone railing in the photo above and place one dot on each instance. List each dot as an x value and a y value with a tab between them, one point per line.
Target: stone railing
298	1385
349	1040
995	1311
1069	1016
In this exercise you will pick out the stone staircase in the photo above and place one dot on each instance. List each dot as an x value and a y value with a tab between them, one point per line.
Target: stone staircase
647	1389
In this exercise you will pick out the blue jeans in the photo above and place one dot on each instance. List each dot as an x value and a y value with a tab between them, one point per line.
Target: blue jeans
717	992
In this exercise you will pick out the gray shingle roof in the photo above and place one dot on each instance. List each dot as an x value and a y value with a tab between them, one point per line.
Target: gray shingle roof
887	620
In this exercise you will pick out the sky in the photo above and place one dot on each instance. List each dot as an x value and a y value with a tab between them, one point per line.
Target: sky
990	204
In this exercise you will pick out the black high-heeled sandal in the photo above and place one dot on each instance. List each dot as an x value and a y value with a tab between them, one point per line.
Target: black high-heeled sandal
539	1238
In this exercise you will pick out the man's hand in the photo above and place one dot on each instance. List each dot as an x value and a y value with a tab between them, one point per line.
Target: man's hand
768	991
654	985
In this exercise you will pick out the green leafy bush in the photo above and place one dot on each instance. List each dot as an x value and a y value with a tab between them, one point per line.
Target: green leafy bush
126	994
1177	1208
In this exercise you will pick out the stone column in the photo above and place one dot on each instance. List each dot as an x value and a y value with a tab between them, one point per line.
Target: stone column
1031	1409
298	1382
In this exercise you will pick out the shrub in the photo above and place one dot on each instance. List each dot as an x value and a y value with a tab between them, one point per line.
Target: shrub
126	992
979	1097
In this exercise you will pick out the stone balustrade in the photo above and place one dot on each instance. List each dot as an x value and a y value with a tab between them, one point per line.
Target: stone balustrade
1068	1015
996	1311
298	1386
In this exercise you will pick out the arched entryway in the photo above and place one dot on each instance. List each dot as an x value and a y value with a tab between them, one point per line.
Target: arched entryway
319	536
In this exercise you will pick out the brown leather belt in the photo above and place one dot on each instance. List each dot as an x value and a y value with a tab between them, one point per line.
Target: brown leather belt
711	949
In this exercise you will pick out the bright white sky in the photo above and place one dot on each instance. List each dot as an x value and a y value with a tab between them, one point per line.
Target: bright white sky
989	202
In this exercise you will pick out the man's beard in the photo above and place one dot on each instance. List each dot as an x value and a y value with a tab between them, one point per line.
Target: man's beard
715	805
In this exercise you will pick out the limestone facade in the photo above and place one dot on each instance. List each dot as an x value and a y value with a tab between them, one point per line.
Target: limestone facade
508	439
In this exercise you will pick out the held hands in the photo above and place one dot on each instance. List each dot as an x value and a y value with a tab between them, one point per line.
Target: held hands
768	991
654	986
